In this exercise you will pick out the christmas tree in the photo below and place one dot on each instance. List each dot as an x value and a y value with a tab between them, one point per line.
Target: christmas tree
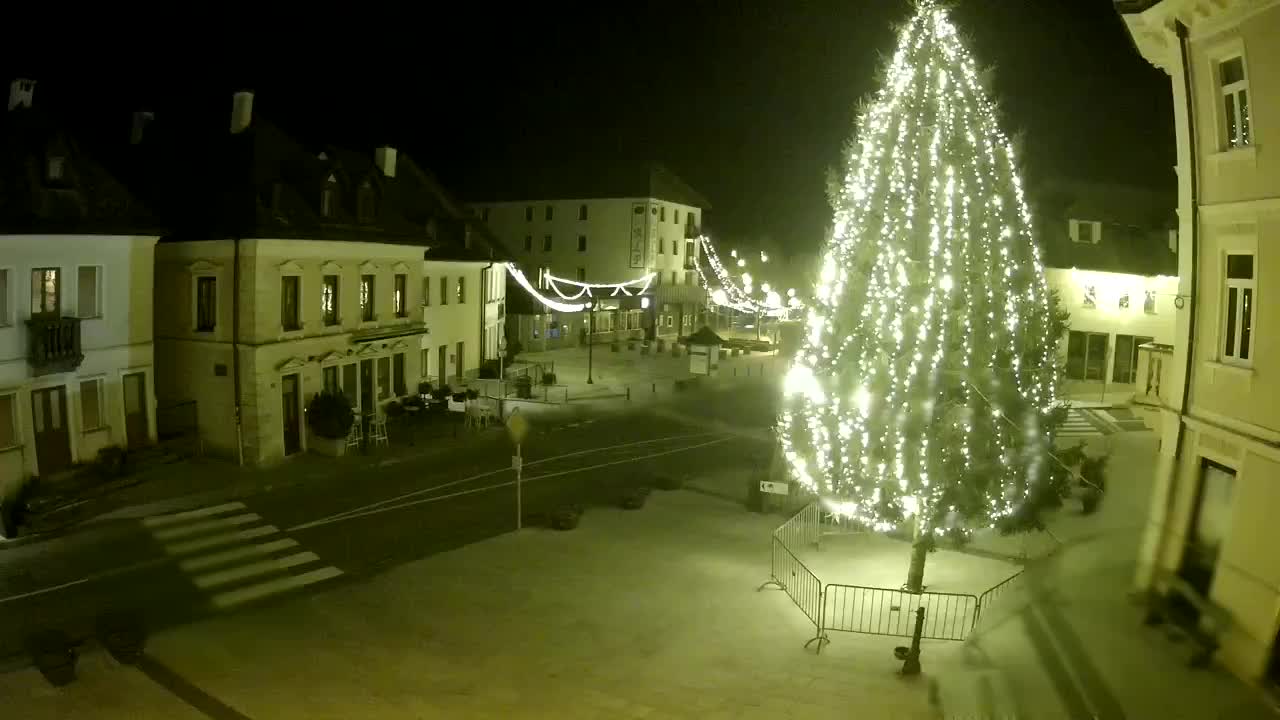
926	393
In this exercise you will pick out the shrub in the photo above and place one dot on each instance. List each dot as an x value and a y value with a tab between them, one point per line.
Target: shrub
112	462
329	415
424	388
442	392
472	393
566	517
634	498
548	378
394	409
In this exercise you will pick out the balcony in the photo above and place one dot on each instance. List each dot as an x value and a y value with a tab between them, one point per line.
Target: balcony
692	232
53	344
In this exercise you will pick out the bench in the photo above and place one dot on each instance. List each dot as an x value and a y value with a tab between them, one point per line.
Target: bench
1186	612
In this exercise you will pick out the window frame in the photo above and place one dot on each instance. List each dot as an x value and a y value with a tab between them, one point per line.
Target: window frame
101	391
331	316
7	273
1095	231
528	213
368	301
195	306
16	440
582	243
99	273
1234	91
546	243
399	375
583	214
528	243
1232	342
382	378
461	290
400	295
548	213
444	290
297	302
426	291
57	304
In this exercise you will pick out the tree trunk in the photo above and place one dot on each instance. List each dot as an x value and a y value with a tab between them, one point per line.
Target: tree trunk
919	551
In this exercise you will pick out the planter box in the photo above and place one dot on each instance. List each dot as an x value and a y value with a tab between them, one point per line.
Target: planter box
329	447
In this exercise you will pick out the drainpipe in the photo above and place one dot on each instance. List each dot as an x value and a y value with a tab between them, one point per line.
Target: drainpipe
235	348
1194	180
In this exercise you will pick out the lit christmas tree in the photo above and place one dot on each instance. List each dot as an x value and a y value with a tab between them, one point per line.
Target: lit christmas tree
926	391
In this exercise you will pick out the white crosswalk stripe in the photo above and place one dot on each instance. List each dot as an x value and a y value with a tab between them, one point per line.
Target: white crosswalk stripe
234	556
1078	426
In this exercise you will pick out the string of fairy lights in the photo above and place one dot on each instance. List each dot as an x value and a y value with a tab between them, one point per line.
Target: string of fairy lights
930	285
586	293
737	292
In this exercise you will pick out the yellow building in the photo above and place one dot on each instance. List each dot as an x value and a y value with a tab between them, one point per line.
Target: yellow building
1212	524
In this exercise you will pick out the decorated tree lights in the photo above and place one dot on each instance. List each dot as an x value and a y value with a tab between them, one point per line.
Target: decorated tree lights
926	388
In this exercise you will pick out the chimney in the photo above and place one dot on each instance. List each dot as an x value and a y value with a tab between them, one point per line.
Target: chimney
20	92
140	120
385	157
241	111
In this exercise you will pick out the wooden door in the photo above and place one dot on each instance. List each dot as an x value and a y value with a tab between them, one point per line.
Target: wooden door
53	438
137	432
290	414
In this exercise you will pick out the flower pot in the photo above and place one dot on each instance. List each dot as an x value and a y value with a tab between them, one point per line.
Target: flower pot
328	447
635	498
566	518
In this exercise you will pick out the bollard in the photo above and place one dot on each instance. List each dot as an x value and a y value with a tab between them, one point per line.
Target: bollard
911	663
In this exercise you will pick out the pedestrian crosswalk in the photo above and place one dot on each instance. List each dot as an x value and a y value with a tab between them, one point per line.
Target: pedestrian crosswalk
1080	424
233	556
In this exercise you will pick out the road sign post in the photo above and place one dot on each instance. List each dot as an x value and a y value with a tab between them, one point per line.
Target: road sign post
518	427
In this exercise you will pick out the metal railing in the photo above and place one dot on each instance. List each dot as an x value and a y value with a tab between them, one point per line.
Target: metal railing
880	611
804	588
988	599
801	529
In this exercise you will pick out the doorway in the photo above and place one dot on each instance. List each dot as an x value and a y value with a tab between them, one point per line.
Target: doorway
1125	368
442	362
53	438
1086	355
458	364
366	387
136	430
290	414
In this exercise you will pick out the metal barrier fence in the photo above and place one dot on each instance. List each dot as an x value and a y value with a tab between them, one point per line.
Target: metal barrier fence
879	611
987	599
800	584
801	529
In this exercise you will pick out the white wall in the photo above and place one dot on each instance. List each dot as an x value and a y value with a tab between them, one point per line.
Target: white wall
453	322
114	343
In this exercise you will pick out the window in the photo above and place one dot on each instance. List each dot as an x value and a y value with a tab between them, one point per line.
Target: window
330	377
1090	296
88	291
546	243
484	214
1235	102
206	304
1123	304
366	298
688	253
426	363
582	211
329	198
426	291
528	213
1210	525
401	296
1125	366
675	216
53	170
1149	303
528	243
675	247
329	300
673	278
5	318
46	295
367	202
662	214
1085	231
8	420
1238	320
92	416
582	243
397	375
548	213
582	274
444	289
1086	355
289	319
349	384
462	289
384	378
662	244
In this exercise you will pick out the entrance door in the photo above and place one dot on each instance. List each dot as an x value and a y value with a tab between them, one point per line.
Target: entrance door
290	414
49	420
135	410
1126	362
458	364
443	364
366	387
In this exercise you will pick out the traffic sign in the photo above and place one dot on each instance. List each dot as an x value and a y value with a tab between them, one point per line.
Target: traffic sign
516	462
517	427
775	488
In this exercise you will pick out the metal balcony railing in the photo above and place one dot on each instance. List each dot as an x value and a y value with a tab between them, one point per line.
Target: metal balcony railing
53	344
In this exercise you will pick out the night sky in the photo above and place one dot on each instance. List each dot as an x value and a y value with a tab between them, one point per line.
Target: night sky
748	101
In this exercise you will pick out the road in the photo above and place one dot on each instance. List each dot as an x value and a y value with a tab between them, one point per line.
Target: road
177	568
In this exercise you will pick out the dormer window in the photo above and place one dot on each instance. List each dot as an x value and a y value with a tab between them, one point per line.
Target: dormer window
54	168
367	202
329	197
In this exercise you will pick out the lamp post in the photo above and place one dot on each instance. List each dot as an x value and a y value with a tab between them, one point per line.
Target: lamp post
591	323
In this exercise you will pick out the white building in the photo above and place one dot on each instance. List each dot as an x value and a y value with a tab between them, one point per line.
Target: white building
604	230
76	369
1212	527
1110	253
329	270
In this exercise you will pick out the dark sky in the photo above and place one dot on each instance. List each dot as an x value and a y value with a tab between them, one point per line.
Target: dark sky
749	101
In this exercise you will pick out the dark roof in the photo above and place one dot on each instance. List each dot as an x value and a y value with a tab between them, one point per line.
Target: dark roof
262	182
704	336
84	199
1135	227
599	179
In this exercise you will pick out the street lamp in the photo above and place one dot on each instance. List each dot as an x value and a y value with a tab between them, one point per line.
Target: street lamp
591	323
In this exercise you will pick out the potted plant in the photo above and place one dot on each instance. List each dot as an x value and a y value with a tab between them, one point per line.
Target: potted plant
123	635
394	409
424	390
113	462
54	656
633	498
566	517
472	393
329	416
1093	482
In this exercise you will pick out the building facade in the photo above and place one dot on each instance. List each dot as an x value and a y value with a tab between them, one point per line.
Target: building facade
1212	518
330	270
1110	253
76	358
605	230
